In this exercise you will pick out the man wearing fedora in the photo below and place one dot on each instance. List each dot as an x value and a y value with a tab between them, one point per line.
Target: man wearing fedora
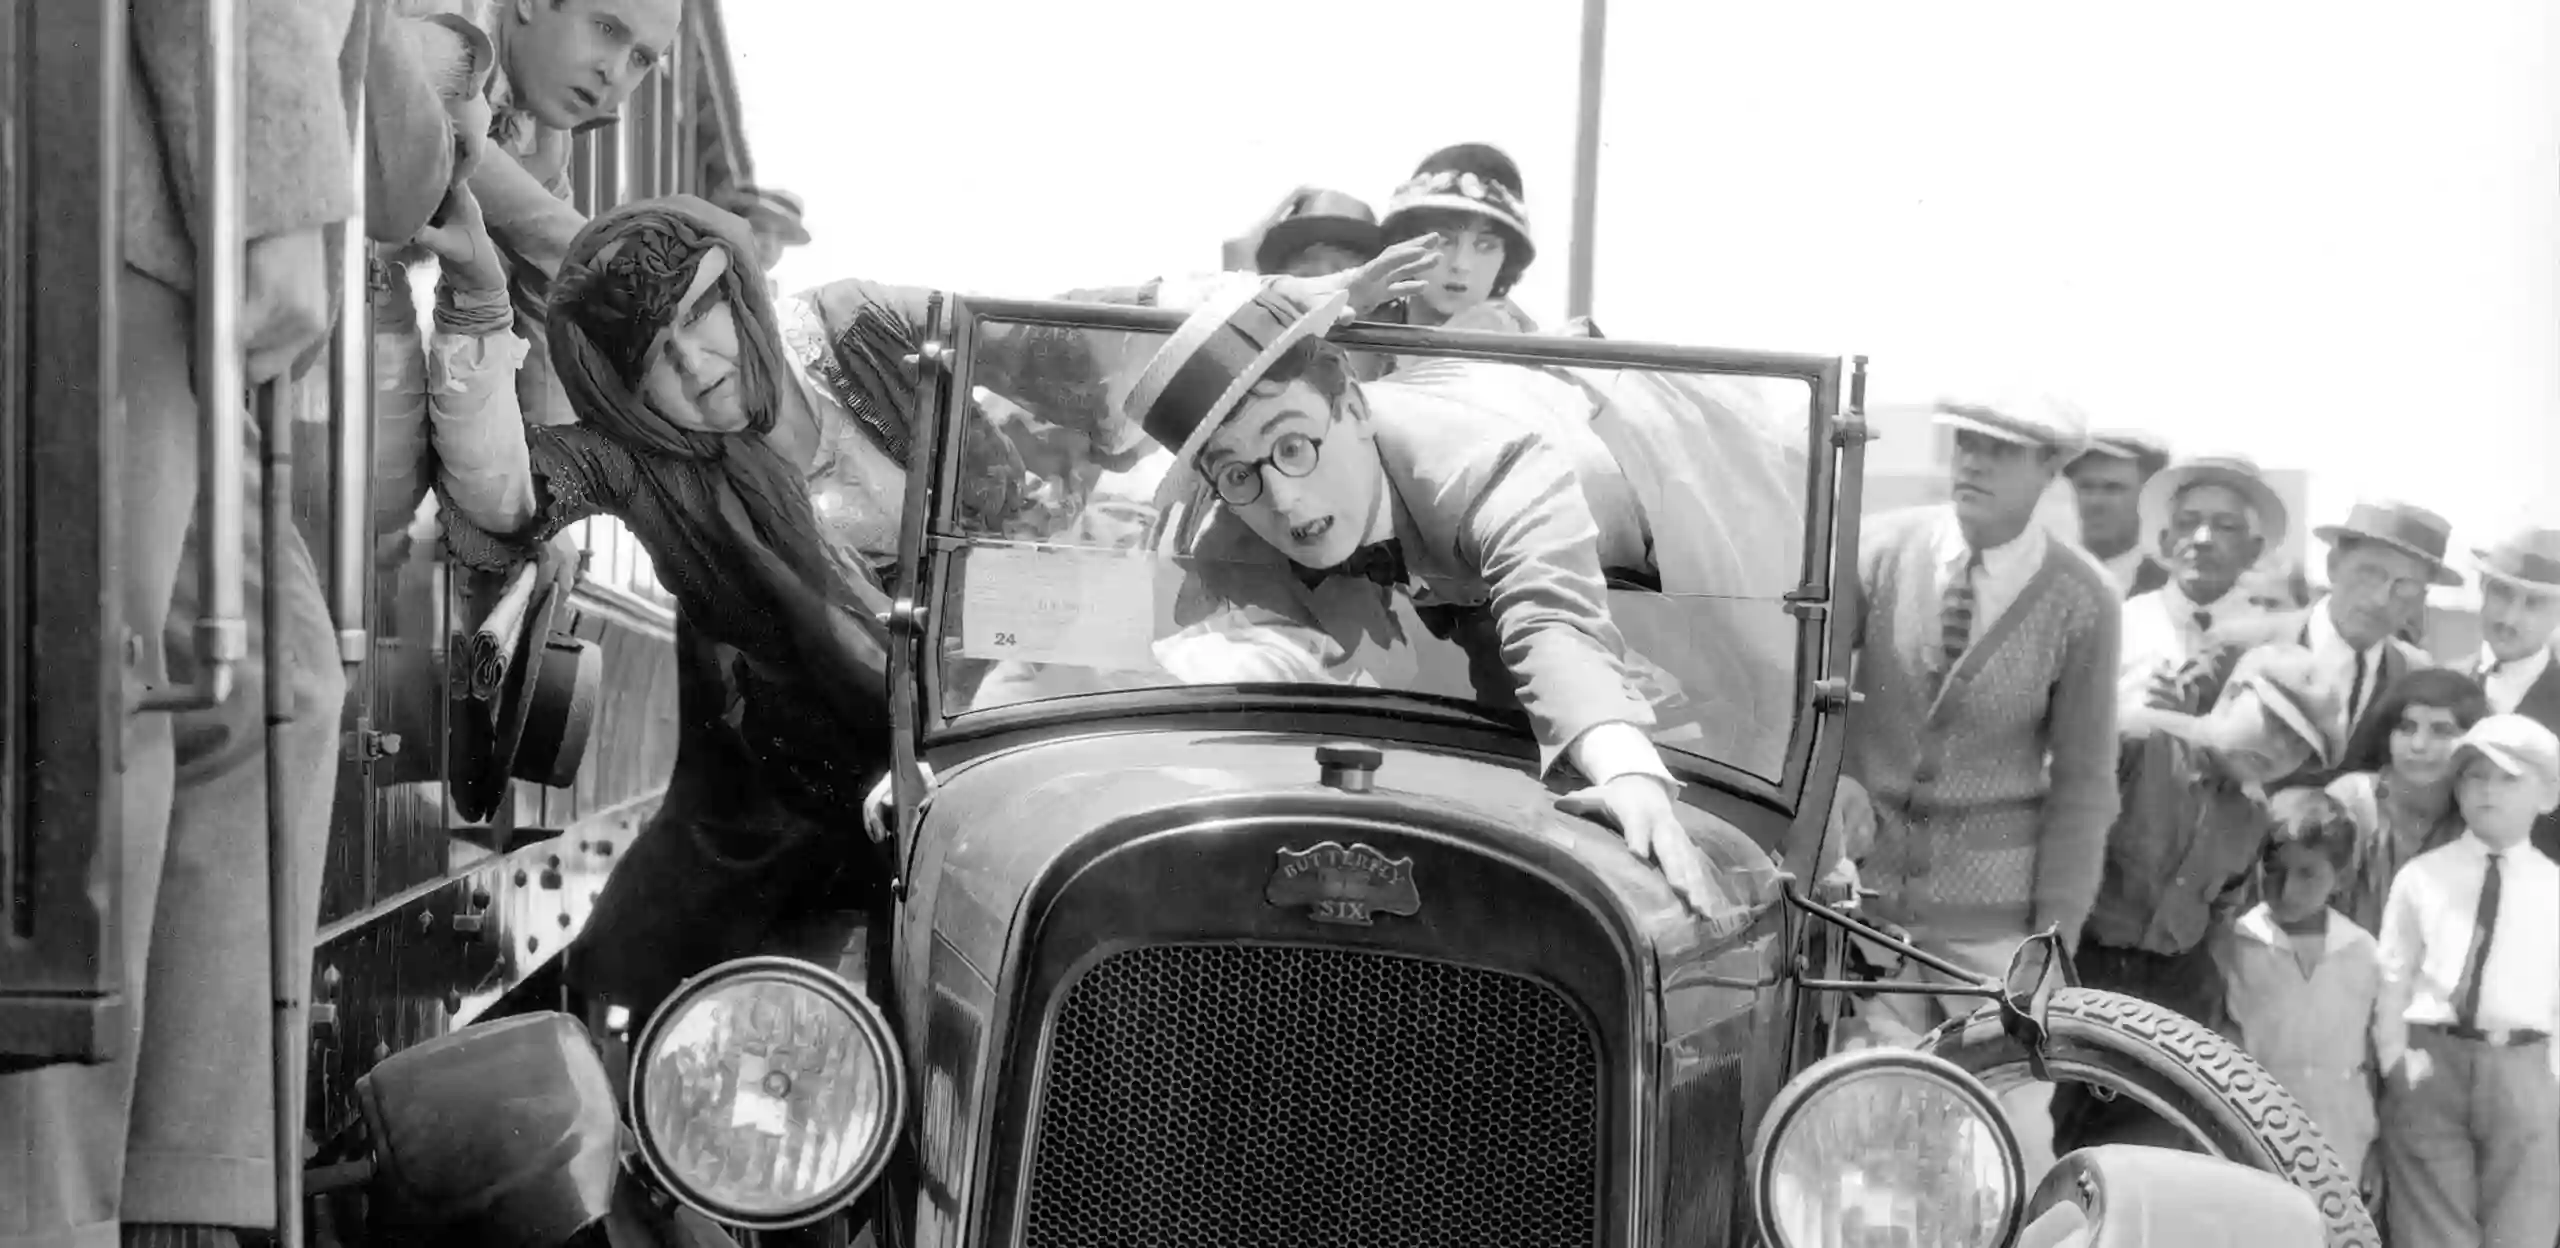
1985	740
2519	617
2107	481
2211	518
774	215
2382	560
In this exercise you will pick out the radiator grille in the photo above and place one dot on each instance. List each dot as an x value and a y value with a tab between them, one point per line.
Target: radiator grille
1230	1096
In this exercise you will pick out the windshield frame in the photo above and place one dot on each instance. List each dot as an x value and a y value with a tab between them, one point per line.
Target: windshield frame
932	535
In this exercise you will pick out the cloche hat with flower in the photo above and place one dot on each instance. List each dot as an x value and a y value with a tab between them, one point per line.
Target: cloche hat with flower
1476	178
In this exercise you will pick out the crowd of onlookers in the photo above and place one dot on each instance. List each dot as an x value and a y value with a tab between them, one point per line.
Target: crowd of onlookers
2260	805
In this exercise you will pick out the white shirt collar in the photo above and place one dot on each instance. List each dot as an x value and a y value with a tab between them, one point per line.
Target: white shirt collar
2023	551
2519	674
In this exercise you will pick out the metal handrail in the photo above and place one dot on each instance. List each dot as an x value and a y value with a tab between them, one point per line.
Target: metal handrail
222	624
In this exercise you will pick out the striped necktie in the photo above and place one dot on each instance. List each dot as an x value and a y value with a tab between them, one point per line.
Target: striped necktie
1955	618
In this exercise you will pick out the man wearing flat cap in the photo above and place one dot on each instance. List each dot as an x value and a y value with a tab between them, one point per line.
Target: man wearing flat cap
2107	481
2382	560
2519	617
2211	519
1985	743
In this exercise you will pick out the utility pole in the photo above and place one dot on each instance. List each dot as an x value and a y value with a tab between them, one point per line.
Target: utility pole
1586	158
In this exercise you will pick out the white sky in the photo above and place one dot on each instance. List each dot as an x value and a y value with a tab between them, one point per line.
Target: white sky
2324	234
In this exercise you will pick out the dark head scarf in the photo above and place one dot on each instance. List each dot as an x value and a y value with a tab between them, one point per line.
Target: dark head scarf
726	516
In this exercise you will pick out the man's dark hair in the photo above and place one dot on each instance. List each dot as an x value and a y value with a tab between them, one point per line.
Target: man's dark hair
1315	361
2314	820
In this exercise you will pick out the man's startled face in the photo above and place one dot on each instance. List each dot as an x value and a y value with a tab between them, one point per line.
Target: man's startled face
1997	482
691	376
2516	620
1319	519
572	62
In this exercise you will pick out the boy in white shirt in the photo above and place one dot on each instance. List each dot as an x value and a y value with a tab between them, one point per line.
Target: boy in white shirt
2302	980
2470	1000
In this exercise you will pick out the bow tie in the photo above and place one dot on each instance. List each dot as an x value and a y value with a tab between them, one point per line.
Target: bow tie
1382	562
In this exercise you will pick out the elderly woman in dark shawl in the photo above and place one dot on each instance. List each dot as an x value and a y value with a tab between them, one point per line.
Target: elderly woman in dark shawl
781	693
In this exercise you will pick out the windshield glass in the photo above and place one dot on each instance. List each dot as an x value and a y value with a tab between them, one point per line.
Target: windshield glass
1503	509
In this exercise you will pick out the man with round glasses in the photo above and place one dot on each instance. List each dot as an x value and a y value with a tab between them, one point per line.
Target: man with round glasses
1484	526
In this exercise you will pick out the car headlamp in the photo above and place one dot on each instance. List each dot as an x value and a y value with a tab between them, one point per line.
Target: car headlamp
1887	1146
767	1093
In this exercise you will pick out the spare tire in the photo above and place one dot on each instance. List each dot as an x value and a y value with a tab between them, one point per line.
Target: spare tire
2184	1072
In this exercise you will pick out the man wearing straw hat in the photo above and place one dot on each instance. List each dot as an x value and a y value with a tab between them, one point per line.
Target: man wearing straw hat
2519	616
2107	480
1480	525
2211	518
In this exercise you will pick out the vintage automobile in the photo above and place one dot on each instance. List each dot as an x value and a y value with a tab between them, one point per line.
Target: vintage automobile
1220	929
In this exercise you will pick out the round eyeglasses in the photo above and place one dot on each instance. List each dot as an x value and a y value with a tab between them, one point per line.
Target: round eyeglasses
1239	481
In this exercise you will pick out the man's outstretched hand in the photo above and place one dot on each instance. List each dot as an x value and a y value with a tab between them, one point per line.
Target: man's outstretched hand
1641	809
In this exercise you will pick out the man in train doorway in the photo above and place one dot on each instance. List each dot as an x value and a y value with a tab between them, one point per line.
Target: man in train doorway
564	66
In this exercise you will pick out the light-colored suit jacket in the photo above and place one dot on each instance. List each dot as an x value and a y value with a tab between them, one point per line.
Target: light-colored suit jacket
1499	544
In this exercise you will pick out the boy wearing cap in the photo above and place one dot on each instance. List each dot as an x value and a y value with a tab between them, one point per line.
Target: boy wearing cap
2470	1002
2519	616
1480	523
1986	740
2106	481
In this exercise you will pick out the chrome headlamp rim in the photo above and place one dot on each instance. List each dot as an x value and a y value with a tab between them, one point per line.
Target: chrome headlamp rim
1841	1069
868	1020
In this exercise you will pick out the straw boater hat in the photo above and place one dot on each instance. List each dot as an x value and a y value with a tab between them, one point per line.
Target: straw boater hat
2528	557
1470	177
2405	527
2023	419
1315	216
2237	473
1205	368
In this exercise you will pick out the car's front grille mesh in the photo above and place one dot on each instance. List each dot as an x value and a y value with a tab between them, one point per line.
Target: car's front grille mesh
1229	1096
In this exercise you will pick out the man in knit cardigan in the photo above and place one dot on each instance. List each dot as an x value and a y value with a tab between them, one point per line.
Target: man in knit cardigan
1986	738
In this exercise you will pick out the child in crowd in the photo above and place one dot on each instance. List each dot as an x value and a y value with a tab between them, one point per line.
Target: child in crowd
2470	999
2302	980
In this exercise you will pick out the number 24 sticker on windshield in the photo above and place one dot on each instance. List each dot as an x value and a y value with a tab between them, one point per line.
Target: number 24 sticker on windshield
1086	608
